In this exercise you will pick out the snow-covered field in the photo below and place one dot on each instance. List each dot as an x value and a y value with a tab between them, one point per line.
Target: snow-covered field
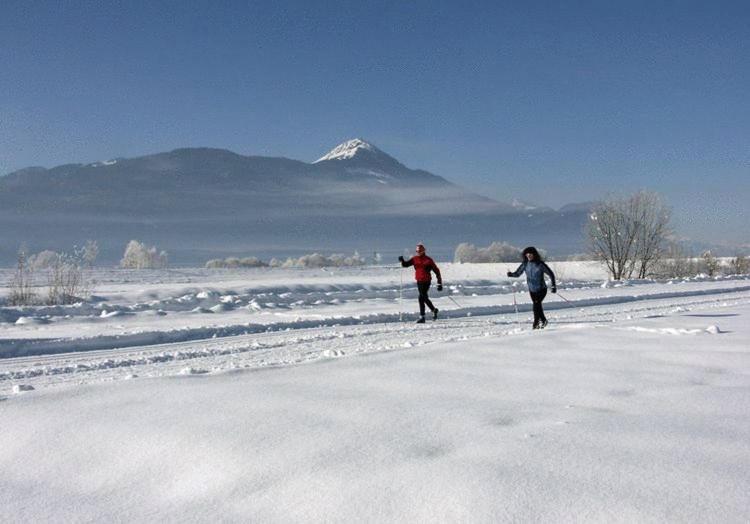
299	395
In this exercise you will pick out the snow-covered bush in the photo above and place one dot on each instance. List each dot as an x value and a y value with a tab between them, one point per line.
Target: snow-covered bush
495	252
318	260
66	279
676	263
138	256
710	265
234	262
739	265
90	252
43	260
65	274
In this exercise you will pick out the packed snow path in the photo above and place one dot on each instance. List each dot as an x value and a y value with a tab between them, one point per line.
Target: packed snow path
354	319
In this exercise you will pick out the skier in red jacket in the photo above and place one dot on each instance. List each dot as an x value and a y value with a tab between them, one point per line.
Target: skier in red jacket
422	267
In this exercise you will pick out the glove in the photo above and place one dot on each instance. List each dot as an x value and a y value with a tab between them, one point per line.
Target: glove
440	287
554	289
400	258
510	274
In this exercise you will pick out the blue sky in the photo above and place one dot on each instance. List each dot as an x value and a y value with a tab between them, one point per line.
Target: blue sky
552	103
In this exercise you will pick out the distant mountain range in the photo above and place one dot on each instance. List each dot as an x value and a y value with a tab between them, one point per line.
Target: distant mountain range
200	202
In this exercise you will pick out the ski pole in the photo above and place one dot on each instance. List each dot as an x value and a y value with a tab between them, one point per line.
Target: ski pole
515	304
400	294
452	300
562	297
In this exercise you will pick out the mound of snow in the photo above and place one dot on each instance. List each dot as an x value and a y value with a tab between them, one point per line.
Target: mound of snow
193	371
200	310
110	314
30	321
218	308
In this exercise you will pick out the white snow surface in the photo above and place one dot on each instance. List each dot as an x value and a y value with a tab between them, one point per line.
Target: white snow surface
347	149
298	395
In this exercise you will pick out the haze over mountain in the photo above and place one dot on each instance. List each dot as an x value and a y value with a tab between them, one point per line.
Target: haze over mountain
214	200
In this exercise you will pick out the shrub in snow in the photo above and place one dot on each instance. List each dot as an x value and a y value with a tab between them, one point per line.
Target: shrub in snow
21	285
66	279
138	256
495	252
234	262
318	260
89	253
675	263
43	260
739	265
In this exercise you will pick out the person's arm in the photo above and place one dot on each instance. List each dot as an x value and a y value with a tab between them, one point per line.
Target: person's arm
406	263
437	274
551	275
519	271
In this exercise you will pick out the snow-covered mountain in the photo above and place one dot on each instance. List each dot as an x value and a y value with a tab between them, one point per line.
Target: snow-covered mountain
352	148
214	200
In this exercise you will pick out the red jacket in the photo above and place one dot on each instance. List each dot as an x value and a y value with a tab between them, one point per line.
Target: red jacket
422	267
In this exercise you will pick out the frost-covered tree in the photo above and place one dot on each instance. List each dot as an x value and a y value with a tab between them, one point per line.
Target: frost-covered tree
710	265
628	234
43	260
495	252
90	252
138	256
740	265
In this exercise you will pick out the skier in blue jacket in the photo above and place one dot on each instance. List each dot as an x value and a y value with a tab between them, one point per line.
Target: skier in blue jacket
535	268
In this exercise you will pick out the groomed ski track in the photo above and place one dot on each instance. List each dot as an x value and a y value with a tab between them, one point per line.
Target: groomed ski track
256	346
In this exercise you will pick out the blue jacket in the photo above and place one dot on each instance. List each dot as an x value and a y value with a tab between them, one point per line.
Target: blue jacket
535	274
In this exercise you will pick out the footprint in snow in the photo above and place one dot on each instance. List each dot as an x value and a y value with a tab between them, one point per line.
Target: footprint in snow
621	392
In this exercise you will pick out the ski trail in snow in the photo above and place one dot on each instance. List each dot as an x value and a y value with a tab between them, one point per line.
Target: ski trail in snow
281	347
11	348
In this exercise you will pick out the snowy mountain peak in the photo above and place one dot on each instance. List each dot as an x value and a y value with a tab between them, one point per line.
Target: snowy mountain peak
349	149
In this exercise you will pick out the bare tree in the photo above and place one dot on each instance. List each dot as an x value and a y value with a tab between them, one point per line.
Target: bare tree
651	216
66	279
628	234
21	287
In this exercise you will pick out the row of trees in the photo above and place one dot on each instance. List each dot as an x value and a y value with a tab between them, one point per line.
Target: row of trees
495	252
311	260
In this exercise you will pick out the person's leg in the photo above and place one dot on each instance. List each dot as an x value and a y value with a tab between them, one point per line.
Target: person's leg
536	305
542	318
536	298
427	298
422	296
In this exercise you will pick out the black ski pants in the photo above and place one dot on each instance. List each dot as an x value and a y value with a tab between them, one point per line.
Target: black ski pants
423	298
536	298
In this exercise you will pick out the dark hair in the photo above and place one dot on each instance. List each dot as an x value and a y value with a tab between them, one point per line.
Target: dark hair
533	251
